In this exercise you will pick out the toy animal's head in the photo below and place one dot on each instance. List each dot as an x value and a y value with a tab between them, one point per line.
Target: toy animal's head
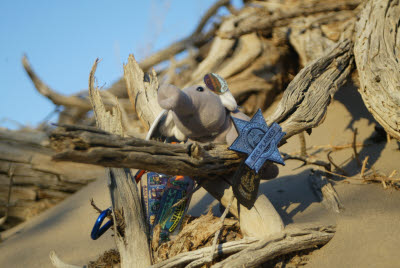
198	112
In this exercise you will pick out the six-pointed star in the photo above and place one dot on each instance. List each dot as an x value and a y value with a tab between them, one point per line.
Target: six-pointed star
258	140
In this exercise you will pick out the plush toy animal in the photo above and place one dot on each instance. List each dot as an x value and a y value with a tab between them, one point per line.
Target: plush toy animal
203	114
200	113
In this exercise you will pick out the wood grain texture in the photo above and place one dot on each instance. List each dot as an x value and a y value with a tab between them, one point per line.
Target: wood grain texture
286	242
197	234
308	38
263	21
377	54
199	255
324	191
304	102
252	252
39	182
101	148
142	94
133	243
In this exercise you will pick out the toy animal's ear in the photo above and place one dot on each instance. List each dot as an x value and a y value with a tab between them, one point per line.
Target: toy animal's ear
216	83
220	87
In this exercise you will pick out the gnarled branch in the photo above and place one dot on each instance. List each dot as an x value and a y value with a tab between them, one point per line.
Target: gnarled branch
263	21
251	253
377	53
81	103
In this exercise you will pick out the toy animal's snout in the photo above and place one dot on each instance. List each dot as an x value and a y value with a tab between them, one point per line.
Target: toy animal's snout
200	113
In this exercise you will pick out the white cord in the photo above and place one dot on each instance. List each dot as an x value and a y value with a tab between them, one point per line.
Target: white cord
155	123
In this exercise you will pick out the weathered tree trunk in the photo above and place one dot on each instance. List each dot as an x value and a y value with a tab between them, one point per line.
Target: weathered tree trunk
377	54
132	241
38	182
253	252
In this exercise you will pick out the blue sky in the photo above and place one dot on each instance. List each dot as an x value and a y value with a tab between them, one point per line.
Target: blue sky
63	38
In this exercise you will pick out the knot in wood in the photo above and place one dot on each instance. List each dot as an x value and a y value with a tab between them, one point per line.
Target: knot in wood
195	150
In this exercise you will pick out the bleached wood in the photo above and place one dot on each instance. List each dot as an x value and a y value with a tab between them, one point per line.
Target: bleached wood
222	249
377	53
40	182
194	235
219	50
133	246
197	38
142	94
59	99
325	191
263	21
263	79
304	102
309	42
280	244
249	48
58	263
252	252
314	35
100	148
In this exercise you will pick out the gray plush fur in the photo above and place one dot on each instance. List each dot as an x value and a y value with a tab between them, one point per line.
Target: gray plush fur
198	114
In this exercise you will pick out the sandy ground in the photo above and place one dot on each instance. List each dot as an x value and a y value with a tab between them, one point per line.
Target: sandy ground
367	230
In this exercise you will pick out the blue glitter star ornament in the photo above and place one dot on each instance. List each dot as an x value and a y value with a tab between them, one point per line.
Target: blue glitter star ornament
258	140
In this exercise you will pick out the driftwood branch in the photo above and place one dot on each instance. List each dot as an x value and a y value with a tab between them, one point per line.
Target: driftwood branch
209	13
192	157
133	242
52	95
218	51
58	263
82	103
376	53
304	102
325	191
222	249
312	36
141	92
101	148
38	181
263	21
197	38
194	235
216	236
10	175
253	51
307	160
252	252
288	241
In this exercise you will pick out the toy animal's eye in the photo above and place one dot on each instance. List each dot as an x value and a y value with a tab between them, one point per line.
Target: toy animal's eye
200	89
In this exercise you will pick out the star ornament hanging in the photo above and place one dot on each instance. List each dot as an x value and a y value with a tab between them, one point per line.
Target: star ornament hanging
258	141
